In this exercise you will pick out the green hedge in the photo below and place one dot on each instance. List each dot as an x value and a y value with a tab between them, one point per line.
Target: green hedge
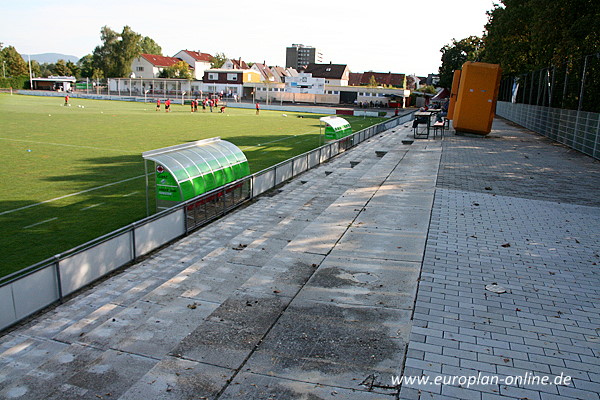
18	82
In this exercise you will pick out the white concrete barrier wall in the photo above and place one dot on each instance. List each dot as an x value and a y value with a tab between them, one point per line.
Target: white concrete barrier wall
313	158
300	165
284	172
8	314
156	233
263	182
83	268
325	154
35	292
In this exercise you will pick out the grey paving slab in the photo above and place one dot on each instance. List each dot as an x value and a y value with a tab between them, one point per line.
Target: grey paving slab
384	244
364	281
208	280
333	344
259	387
395	217
147	328
231	332
284	275
80	373
318	237
177	379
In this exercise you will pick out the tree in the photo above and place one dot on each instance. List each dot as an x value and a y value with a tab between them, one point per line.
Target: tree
372	81
218	60
149	46
508	39
36	69
456	54
104	55
97	75
179	70
117	51
74	69
46	70
13	63
86	66
525	35
61	69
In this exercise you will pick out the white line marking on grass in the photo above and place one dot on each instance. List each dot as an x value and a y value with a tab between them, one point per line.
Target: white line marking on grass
65	145
92	206
70	195
277	140
130	194
39	223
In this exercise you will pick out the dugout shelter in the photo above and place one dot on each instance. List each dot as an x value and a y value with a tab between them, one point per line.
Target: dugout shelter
335	127
184	171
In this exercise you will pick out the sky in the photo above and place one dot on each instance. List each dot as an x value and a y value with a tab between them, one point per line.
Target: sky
384	36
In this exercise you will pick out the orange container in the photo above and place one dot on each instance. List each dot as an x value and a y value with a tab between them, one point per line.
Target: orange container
453	93
477	95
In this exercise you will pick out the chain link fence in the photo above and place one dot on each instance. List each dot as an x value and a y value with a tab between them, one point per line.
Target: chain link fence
561	102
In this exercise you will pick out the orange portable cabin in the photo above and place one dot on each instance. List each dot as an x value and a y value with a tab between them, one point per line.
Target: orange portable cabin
476	99
453	94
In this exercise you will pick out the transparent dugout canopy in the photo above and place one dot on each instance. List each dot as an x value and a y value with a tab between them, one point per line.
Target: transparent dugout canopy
187	170
335	127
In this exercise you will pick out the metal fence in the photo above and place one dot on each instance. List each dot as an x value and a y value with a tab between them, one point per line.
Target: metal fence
579	130
38	286
574	85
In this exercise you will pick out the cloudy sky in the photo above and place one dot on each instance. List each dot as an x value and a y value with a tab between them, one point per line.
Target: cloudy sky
386	35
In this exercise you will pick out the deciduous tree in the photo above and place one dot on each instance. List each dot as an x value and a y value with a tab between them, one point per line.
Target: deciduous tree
117	51
13	63
454	55
218	60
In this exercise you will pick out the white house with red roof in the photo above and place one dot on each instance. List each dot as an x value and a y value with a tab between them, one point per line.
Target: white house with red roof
150	65
235	64
197	60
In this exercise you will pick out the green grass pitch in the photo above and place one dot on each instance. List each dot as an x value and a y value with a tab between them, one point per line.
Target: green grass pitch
74	173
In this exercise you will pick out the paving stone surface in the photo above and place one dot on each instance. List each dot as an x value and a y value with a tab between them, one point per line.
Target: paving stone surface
515	210
370	267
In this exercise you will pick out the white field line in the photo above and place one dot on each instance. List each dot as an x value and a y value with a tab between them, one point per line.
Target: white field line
130	194
70	195
65	145
92	206
277	140
39	223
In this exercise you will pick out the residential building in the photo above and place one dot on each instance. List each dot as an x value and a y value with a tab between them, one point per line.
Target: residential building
266	73
150	65
231	81
334	74
382	79
305	83
299	55
235	64
197	60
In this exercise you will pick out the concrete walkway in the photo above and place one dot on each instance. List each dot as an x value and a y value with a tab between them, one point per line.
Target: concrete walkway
352	274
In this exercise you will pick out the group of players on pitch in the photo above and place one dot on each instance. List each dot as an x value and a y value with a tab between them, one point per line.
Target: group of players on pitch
210	103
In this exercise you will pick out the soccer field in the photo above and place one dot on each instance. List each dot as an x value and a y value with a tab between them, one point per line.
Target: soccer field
75	173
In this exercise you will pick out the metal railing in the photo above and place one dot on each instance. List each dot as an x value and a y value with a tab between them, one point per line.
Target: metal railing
47	282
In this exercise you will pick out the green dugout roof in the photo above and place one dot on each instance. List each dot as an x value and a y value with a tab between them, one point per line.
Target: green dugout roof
187	170
336	127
